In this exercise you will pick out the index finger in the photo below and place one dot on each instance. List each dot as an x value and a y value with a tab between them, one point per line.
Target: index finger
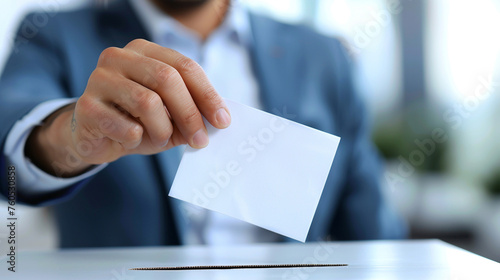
206	98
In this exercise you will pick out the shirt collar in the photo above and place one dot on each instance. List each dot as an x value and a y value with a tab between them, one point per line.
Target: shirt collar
158	24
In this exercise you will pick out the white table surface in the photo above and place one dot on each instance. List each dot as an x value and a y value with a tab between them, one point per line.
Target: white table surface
422	259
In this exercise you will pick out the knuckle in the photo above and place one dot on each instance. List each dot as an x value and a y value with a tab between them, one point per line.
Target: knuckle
109	54
166	75
164	135
149	80
136	43
107	125
133	134
91	133
86	106
145	100
209	94
99	74
187	65
191	116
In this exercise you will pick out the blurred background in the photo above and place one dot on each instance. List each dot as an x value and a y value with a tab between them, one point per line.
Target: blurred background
429	71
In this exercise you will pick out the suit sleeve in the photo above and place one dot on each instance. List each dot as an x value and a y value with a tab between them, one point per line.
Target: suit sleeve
34	73
363	212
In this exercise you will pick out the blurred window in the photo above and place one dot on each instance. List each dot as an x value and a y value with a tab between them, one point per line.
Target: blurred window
462	45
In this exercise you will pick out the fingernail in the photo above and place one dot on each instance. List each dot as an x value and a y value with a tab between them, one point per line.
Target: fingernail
200	139
223	118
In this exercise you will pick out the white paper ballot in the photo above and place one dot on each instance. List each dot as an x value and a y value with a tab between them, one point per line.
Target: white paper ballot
262	169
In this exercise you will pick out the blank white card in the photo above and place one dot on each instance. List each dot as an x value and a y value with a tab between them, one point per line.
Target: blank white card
262	169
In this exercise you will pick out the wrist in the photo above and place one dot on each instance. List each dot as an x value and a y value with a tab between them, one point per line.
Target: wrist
50	146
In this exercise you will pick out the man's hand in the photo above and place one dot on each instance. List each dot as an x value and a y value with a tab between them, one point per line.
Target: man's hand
142	99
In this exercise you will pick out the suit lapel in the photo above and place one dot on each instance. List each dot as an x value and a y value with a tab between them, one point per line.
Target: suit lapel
273	66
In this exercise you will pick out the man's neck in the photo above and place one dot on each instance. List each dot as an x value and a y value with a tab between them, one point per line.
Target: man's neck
203	19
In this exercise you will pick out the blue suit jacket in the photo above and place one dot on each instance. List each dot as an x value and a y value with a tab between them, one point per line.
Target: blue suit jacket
299	71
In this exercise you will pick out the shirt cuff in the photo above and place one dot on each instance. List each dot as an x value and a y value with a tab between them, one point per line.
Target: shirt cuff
31	179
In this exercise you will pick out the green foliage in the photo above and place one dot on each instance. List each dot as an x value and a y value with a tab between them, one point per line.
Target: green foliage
493	184
395	136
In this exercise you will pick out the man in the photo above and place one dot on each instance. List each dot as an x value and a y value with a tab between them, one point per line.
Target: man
93	115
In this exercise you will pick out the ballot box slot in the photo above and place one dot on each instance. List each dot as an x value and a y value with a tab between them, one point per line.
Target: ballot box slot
246	266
